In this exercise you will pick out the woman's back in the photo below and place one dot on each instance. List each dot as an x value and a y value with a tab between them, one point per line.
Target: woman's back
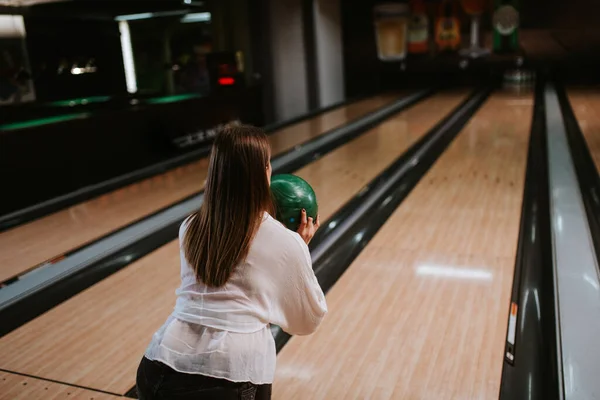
226	329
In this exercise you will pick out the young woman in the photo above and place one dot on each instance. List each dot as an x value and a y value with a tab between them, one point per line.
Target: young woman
241	270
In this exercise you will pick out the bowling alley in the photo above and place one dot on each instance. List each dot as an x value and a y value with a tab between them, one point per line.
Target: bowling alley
299	199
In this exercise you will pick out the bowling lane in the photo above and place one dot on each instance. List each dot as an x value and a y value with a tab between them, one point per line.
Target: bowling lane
586	106
48	238
19	387
421	313
96	338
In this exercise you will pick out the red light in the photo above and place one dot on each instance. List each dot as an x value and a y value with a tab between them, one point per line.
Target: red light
227	81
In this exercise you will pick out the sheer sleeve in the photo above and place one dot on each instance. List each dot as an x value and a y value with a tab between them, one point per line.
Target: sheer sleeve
297	300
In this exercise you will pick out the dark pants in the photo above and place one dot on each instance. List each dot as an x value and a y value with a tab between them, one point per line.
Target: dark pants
157	381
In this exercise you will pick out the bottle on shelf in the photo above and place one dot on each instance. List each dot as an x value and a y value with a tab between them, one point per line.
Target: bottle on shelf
475	9
505	23
447	28
418	28
391	28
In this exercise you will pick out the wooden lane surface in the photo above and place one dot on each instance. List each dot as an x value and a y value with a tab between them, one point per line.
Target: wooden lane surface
18	387
421	313
96	338
45	239
586	106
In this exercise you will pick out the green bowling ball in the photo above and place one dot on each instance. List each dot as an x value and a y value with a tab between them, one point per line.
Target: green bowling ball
291	194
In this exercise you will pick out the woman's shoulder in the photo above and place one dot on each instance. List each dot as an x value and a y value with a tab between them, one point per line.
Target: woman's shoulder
183	226
278	236
276	248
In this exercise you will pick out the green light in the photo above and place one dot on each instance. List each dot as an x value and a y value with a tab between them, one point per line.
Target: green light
172	99
42	121
79	102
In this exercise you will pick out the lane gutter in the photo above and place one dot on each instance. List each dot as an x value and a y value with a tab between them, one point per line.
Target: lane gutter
531	363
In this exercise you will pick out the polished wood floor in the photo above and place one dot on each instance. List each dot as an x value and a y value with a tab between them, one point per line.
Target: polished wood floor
421	313
18	387
96	338
586	106
48	238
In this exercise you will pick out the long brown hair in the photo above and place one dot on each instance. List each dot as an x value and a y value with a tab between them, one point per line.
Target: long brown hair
236	195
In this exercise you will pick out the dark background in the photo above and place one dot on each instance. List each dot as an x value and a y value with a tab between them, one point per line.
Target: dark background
51	40
557	32
45	161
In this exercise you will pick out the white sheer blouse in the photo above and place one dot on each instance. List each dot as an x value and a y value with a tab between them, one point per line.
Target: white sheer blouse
224	332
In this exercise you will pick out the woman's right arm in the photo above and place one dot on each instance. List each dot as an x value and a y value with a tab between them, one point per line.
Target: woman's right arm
298	304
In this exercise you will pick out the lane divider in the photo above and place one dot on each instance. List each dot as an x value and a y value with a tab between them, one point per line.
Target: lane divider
530	363
588	174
